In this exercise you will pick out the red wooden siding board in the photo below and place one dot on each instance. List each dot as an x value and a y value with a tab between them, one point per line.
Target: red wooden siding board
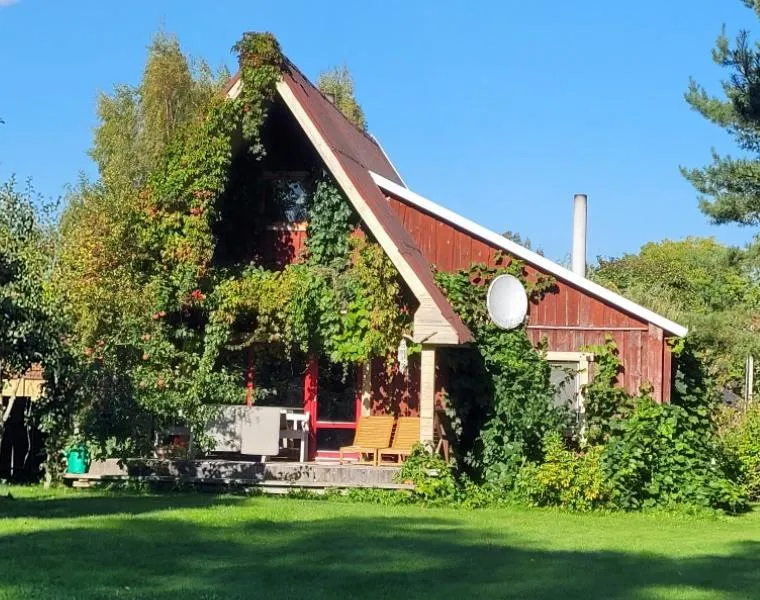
550	310
444	247
462	250
480	252
584	311
634	356
560	305
667	372
573	306
564	340
655	360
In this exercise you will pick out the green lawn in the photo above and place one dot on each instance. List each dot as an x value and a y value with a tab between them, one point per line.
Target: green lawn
67	544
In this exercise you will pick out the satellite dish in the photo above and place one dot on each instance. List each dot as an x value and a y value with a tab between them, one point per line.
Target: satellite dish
507	302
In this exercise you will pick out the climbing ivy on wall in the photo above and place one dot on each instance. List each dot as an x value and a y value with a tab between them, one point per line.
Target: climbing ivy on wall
341	299
260	60
605	401
331	222
501	397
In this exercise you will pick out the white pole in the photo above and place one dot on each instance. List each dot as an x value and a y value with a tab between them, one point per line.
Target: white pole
750	378
580	213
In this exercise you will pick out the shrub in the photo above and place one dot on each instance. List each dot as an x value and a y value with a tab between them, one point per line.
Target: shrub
481	495
656	457
377	496
742	442
433	477
566	478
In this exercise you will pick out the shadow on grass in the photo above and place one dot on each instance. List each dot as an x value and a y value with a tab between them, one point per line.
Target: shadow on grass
74	506
244	554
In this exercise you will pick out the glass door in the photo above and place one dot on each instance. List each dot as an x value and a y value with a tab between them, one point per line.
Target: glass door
333	399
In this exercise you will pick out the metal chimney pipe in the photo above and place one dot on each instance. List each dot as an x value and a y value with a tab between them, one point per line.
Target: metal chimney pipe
578	256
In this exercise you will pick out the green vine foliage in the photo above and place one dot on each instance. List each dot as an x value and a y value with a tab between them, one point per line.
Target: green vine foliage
605	400
261	64
375	312
501	397
341	300
331	222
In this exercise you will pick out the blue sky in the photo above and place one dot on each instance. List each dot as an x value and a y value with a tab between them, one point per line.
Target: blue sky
500	110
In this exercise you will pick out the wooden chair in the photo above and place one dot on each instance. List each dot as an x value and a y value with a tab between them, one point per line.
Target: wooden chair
371	433
407	434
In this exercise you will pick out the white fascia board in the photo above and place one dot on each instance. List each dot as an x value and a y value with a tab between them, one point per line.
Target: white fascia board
388	158
235	90
541	262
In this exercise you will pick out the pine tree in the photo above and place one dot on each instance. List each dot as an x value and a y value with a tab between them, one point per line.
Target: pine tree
729	187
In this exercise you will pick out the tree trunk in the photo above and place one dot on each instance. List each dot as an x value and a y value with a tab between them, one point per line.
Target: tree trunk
6	414
5	411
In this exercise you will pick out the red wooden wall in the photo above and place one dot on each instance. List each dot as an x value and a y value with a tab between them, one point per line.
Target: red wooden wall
282	245
568	318
394	392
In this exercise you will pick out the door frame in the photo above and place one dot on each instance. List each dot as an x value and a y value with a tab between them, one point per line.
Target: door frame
311	406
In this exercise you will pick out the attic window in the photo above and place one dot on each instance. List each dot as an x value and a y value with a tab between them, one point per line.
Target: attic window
286	195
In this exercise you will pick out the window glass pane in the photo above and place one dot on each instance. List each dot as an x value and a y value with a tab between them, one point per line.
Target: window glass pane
336	392
564	378
278	380
290	198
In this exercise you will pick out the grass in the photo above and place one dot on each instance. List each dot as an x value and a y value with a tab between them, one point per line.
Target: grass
67	544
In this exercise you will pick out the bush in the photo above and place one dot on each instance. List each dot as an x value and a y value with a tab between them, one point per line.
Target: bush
433	477
656	457
742	444
481	495
571	479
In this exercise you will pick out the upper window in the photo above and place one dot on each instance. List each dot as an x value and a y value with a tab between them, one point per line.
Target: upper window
286	195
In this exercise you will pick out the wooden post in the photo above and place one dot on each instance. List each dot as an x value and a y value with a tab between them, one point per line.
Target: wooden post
310	402
249	379
427	395
749	380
